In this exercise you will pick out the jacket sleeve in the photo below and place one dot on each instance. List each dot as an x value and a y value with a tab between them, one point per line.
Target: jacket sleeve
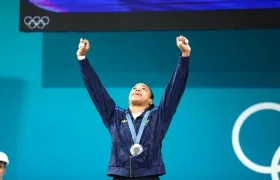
173	93
104	104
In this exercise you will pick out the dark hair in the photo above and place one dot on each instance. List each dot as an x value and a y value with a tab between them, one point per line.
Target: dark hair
152	97
5	164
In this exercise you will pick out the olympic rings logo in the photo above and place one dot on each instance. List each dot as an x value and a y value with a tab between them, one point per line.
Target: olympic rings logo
274	168
36	22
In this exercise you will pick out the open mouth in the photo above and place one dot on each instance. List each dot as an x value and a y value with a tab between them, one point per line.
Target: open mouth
136	94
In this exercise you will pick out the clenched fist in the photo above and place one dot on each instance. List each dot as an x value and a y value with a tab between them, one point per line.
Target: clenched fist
183	44
84	46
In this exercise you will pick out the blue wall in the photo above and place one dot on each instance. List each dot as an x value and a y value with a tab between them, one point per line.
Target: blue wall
52	131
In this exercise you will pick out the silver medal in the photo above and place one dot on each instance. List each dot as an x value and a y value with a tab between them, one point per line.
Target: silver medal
136	149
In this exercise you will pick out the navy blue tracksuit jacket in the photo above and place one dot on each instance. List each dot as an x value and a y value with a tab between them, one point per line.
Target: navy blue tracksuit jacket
150	161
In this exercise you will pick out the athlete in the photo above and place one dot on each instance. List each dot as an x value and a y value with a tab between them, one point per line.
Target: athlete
4	161
137	132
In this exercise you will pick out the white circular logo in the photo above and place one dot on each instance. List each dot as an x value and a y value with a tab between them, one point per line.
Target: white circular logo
274	168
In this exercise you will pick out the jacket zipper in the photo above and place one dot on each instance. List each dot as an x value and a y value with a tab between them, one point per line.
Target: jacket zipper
130	166
130	157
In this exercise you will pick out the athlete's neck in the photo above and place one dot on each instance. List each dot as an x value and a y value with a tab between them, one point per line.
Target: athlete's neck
137	109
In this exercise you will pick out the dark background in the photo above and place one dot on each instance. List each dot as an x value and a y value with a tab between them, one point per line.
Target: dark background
150	21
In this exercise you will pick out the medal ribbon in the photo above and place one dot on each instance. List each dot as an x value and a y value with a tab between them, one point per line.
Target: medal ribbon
137	138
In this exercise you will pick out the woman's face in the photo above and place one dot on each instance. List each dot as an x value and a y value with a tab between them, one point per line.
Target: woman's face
140	94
